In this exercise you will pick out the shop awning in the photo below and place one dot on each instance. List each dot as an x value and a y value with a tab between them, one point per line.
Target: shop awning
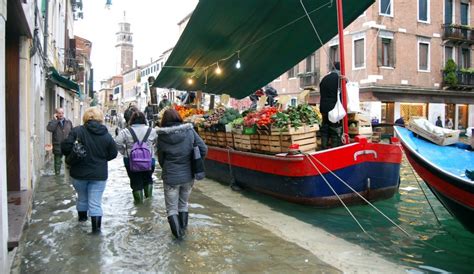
268	36
62	81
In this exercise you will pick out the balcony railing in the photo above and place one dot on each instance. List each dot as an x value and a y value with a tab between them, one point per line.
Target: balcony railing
308	80
465	79
458	33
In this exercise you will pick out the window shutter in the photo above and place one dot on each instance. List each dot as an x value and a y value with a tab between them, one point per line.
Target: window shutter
393	51
379	51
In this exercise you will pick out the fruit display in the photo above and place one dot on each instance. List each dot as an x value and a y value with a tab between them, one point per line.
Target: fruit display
185	112
220	116
297	117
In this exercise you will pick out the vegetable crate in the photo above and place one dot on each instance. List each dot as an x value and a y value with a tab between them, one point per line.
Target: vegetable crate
287	130
242	142
221	139
270	143
211	138
306	141
255	142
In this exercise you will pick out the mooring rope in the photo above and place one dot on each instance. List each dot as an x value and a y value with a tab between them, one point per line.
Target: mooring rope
358	194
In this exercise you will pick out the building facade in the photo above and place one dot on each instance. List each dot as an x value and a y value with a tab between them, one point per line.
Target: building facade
397	52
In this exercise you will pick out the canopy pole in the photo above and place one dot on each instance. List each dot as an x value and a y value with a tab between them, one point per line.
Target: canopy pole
340	27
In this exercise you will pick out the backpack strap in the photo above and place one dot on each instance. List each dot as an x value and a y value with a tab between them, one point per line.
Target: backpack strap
146	135
134	136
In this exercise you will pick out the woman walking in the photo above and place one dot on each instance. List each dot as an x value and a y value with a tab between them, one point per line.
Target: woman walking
89	175
138	131
175	147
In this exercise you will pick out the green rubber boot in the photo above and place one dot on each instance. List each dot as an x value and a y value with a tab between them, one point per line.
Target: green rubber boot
148	190
138	196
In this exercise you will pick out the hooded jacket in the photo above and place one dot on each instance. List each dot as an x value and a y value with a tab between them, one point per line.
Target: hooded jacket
100	147
175	148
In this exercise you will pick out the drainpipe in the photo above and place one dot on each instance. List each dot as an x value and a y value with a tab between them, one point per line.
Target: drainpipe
45	43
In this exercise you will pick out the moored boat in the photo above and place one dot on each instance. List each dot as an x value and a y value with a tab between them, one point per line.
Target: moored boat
443	168
318	178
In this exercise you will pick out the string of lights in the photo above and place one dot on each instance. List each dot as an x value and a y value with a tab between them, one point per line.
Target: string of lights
238	65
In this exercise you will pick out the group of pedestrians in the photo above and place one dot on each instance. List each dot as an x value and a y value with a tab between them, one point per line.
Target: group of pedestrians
142	147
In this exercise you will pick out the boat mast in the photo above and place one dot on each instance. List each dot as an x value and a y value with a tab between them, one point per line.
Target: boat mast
340	28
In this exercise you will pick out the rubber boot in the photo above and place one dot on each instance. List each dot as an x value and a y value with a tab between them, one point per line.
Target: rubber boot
183	220
96	223
335	134
82	216
324	131
138	196
148	190
173	220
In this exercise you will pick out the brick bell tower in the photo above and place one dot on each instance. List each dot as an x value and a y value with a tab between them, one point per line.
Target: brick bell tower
124	48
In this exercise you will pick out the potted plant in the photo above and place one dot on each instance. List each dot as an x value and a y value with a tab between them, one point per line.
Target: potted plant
450	77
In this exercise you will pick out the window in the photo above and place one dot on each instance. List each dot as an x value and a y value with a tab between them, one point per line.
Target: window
424	11
448	12
386	50
465	58
294	102
310	63
293	72
423	55
333	55
448	53
385	7
464	14
359	53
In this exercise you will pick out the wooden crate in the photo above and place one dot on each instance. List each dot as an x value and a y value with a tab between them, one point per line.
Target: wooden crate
255	142
287	130
242	142
229	138
306	141
270	140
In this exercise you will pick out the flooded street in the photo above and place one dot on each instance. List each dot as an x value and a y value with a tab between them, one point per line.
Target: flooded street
138	238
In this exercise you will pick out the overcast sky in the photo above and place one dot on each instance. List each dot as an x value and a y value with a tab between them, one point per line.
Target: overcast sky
153	24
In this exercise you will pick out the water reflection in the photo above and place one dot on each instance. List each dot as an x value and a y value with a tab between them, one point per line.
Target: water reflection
138	239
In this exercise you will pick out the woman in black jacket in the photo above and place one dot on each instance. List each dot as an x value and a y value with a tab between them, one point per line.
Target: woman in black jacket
89	175
175	147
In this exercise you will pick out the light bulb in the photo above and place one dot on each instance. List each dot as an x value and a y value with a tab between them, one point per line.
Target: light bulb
238	65
190	81
218	70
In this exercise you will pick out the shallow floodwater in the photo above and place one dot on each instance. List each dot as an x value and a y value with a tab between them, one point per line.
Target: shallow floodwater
138	238
437	243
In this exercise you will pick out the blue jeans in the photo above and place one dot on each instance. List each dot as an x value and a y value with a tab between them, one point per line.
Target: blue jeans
89	196
176	198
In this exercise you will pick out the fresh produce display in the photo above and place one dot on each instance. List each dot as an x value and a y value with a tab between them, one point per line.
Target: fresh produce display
185	112
260	118
296	117
220	116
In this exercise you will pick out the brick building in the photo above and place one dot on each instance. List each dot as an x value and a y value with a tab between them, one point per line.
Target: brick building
397	51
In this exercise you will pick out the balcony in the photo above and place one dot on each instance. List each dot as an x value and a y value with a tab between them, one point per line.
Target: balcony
308	80
458	34
464	79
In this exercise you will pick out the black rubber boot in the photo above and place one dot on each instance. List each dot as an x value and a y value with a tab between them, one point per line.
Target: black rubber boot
96	223
183	220
82	216
138	196
175	227
335	134
148	190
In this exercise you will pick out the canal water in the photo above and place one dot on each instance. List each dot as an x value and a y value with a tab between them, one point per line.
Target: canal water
137	238
437	243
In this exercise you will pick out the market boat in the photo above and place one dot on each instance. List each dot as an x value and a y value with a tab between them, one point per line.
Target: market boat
443	168
265	39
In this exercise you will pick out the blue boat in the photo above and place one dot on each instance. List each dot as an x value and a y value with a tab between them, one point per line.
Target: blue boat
443	168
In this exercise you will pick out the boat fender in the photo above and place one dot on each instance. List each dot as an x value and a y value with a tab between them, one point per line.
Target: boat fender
294	149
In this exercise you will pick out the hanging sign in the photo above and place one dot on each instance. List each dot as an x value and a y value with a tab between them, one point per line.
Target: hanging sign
225	98
261	102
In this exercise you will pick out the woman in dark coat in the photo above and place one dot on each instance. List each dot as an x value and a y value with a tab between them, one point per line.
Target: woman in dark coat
89	175
175	147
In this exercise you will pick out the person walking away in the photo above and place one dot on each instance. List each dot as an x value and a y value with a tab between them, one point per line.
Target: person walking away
141	180
164	103
175	149
60	128
128	112
328	97
149	114
439	123
89	175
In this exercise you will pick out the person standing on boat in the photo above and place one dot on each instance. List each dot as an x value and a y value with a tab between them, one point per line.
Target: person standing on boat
439	123
176	142
328	97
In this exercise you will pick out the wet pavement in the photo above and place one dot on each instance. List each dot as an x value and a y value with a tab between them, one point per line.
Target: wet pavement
138	238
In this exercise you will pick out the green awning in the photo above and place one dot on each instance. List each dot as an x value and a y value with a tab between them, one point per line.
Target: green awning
270	37
62	81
